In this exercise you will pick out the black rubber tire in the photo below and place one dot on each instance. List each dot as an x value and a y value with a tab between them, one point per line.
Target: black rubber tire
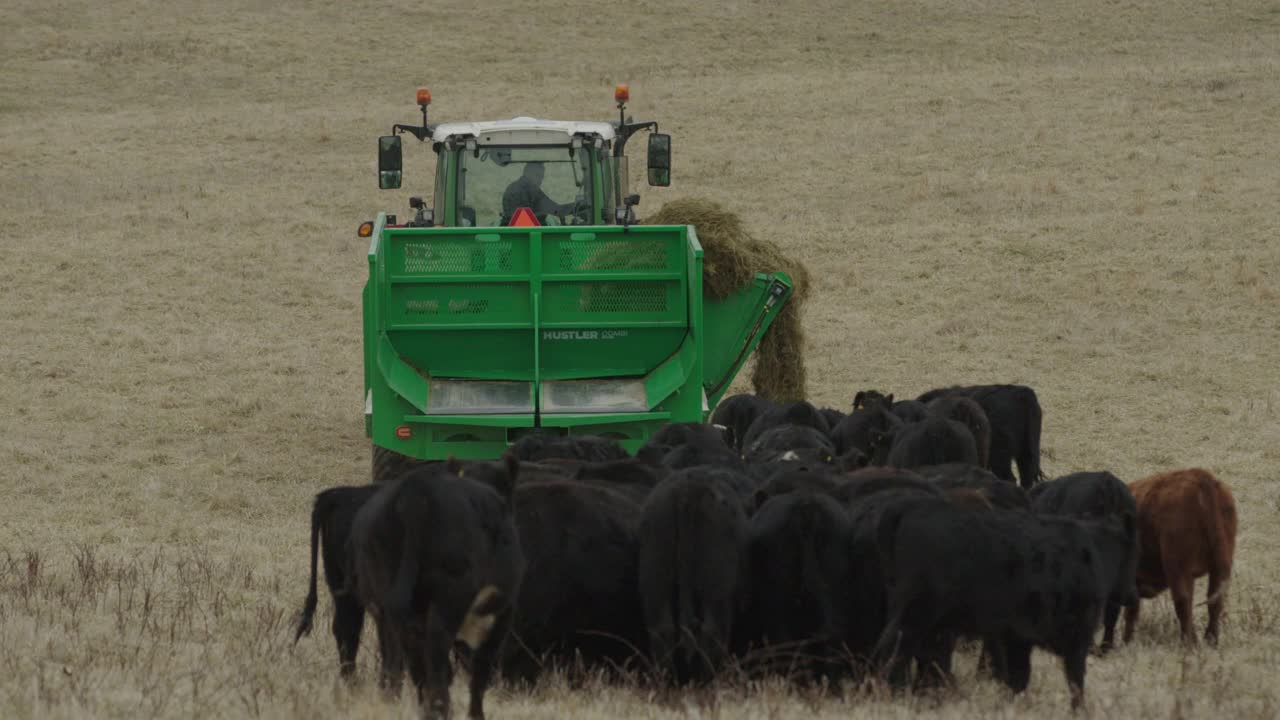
389	464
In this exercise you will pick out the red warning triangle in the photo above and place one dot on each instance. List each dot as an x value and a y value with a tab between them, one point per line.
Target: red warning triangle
524	217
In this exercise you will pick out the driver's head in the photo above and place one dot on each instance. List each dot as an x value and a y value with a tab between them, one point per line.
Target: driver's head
535	171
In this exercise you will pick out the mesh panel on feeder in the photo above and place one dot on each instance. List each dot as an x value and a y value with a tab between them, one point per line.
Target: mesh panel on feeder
731	258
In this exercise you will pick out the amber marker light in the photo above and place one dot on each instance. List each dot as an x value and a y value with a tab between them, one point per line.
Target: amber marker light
366	229
424	96
622	93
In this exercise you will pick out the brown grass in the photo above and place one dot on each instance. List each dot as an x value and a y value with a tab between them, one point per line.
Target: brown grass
180	281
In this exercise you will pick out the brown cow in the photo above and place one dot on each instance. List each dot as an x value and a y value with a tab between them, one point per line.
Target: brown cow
1187	528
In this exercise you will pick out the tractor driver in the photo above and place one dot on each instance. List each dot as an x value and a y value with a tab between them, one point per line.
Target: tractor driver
526	191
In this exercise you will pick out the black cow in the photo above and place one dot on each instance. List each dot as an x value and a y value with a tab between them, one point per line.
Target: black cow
694	455
865	482
910	411
968	412
858	430
1015	417
693	570
869	602
800	413
436	559
1102	496
789	477
800	583
776	442
737	412
999	493
571	447
331	518
832	416
683	445
1018	579
866	399
673	435
631	477
932	441
579	602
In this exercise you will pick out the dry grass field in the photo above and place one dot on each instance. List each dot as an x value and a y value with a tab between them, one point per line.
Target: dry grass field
1081	197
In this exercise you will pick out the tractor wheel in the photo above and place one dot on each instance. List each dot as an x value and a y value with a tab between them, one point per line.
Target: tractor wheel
389	464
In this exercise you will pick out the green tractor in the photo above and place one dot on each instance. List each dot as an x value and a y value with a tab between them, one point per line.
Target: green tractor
525	299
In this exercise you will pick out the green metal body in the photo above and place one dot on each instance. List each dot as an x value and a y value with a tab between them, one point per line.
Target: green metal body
518	313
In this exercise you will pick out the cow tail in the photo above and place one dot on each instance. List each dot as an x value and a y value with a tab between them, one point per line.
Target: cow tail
400	597
1222	532
1029	472
814	574
318	511
686	578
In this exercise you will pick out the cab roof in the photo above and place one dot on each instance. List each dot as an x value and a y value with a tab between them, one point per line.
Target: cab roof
522	131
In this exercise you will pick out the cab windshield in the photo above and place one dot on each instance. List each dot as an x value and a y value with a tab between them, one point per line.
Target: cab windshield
496	181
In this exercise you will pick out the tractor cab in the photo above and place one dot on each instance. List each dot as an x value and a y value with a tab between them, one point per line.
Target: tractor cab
559	172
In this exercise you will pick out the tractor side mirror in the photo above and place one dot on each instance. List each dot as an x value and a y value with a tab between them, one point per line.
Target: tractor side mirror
390	162
659	159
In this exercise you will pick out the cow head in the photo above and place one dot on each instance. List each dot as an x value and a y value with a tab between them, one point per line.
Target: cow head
871	398
852	460
880	442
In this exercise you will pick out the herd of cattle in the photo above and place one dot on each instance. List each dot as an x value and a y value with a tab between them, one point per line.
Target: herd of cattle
826	546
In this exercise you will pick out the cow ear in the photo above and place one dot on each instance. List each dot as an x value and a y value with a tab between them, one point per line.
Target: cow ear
511	470
858	399
888	399
454	466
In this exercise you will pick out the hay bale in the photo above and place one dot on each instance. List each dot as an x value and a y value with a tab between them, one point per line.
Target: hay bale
731	259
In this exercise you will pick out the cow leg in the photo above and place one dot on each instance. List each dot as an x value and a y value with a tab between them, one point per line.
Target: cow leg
1110	616
1131	620
662	645
994	657
519	666
713	645
1182	589
1017	654
483	660
348	622
1217	599
894	651
1001	461
1028	473
392	666
1073	663
934	662
439	671
413	640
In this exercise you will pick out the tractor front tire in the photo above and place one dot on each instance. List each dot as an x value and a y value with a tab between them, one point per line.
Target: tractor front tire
389	464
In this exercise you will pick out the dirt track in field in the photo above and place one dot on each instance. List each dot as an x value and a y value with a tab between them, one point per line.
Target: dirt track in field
1078	198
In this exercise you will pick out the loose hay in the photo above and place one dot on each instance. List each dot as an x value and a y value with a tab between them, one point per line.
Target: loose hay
731	258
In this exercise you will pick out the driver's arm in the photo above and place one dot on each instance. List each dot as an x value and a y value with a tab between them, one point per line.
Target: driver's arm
545	204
